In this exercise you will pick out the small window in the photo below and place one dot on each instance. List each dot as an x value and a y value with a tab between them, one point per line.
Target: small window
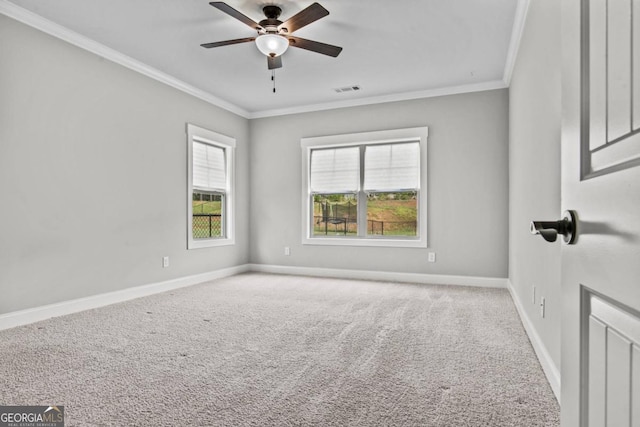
365	189
210	178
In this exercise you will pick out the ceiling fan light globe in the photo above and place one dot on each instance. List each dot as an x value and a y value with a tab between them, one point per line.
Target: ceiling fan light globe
272	44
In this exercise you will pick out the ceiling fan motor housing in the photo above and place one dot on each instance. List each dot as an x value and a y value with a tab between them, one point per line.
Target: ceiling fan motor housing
271	24
272	11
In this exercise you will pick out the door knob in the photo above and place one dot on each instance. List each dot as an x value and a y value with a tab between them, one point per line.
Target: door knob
549	230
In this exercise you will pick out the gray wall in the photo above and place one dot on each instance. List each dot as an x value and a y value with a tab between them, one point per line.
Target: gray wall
467	189
93	178
93	174
534	177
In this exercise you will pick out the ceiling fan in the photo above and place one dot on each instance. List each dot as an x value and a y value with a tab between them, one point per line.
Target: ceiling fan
274	36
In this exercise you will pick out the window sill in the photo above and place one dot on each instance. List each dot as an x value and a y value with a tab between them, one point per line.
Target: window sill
210	243
370	242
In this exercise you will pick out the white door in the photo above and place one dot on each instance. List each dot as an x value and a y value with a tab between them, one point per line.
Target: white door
601	182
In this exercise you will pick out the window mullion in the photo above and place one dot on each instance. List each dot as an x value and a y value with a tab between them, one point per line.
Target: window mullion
362	199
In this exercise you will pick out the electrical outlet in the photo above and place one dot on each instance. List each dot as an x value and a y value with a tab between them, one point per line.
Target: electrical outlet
542	307
432	257
287	250
165	261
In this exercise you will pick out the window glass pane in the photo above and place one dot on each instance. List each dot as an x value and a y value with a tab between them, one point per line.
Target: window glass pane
209	169
207	215
335	215
335	170
392	214
392	167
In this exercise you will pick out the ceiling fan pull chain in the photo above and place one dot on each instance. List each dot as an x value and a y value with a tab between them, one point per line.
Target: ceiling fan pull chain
273	79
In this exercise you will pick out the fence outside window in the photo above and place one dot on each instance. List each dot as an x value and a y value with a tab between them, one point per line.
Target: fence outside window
207	225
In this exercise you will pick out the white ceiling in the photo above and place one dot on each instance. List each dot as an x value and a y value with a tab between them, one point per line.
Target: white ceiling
392	49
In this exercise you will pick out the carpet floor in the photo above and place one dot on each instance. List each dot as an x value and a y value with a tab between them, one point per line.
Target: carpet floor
271	350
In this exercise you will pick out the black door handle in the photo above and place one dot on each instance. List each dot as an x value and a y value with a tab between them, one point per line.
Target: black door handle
549	230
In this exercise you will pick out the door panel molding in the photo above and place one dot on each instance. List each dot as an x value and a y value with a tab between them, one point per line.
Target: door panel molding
610	86
610	361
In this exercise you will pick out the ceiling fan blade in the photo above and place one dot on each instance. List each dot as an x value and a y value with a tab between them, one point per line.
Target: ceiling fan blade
323	48
228	42
305	17
236	14
274	62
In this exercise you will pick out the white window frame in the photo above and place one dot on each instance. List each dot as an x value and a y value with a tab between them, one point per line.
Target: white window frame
417	134
228	144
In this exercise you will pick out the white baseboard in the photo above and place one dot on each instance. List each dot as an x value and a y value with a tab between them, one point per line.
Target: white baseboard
434	279
550	369
36	314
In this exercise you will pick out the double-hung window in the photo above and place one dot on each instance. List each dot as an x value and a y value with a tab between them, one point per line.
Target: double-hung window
210	190
366	189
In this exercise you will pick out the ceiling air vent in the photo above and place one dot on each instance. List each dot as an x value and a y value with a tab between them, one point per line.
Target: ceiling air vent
347	89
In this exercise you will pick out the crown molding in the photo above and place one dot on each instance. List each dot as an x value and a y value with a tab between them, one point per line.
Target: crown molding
516	36
405	96
49	27
38	22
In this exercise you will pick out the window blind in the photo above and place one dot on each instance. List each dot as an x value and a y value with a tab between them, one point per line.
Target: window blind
209	169
392	167
335	170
